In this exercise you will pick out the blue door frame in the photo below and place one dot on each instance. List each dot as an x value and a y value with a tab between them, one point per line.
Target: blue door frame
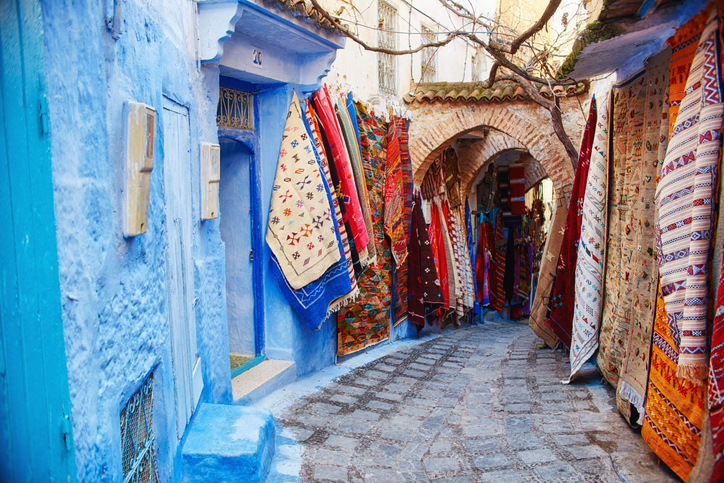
35	428
250	139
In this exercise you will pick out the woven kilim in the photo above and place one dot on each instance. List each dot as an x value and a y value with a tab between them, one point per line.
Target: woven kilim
650	147
452	279
350	139
685	204
459	277
539	310
338	153
497	266
424	286
367	320
300	233
469	300
481	263
564	289
716	384
675	407
437	243
628	111
400	311
395	196
592	248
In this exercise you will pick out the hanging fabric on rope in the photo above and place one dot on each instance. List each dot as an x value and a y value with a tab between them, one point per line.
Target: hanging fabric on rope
563	295
405	183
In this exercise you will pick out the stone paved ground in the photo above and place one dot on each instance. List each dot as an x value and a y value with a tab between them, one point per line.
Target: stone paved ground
480	404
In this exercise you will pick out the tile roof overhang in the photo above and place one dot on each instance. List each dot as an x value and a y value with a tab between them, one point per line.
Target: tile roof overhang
475	92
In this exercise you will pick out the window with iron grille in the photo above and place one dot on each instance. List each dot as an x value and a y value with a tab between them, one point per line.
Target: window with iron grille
387	37
137	440
235	109
429	61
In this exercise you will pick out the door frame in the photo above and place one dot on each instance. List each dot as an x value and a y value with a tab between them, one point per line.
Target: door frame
250	139
35	427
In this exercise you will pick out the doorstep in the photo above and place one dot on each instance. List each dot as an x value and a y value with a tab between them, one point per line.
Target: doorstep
261	380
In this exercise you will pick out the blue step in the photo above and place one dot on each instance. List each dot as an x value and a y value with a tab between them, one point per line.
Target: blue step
228	444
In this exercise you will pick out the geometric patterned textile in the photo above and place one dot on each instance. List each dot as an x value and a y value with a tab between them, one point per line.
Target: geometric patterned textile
564	289
367	320
628	115
434	231
317	300
395	196
424	286
404	219
650	148
716	384
300	233
338	154
675	407
497	266
517	189
546	277
686	207
339	210
592	249
349	136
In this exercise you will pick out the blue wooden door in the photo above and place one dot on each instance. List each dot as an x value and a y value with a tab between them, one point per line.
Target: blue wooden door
35	428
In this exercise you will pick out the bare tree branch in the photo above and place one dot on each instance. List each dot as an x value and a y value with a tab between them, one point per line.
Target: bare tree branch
535	28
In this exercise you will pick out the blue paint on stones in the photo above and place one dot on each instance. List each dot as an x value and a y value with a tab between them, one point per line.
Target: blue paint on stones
229	444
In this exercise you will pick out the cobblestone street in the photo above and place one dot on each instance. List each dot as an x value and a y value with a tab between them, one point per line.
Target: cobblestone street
482	403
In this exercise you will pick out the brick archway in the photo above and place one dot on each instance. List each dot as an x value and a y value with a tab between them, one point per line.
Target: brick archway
532	133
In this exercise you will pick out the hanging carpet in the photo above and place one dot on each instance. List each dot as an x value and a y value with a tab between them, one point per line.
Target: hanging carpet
592	249
674	406
686	206
497	266
400	218
300	234
563	295
367	320
628	110
546	278
424	286
650	146
716	385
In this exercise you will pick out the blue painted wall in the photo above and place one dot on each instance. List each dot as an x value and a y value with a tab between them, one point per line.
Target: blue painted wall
113	289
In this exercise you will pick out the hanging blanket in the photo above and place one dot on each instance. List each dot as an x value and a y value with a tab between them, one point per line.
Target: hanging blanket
405	169
395	197
564	290
674	406
481	264
457	256
330	174
367	320
344	168
434	230
424	286
685	204
300	234
350	138
651	141
716	384
469	300
628	111
591	250
317	300
497	266
471	253
517	189
546	277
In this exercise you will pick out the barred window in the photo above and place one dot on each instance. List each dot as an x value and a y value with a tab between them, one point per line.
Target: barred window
387	37
429	61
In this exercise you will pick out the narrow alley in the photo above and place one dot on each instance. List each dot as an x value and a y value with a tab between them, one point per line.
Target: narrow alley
483	403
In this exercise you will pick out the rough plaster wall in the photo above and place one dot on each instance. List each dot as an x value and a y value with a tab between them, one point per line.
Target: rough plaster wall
114	289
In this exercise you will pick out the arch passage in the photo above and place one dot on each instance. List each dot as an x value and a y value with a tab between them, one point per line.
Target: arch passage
532	133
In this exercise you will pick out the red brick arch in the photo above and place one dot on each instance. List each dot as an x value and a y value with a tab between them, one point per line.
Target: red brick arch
532	133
